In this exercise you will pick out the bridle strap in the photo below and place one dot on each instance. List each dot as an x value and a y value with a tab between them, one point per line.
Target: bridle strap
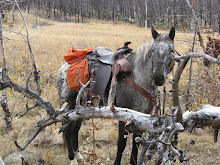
142	91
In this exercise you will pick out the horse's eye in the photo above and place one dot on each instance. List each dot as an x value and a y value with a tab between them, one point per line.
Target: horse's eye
172	51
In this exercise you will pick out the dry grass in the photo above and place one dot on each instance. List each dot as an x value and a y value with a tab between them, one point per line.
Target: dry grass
49	44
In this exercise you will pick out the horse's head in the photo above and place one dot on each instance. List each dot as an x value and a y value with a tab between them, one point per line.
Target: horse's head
162	52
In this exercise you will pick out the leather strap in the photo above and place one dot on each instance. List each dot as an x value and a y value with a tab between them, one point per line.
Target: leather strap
142	91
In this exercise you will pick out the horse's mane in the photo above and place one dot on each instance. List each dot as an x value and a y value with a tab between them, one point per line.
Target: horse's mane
141	53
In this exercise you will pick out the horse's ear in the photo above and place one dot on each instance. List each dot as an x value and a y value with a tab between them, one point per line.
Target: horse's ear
172	33
154	32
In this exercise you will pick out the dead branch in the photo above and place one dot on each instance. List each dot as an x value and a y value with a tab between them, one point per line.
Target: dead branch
183	61
28	79
41	125
4	104
201	42
36	72
193	47
30	94
163	141
208	116
29	108
143	122
82	89
112	93
175	85
28	141
197	55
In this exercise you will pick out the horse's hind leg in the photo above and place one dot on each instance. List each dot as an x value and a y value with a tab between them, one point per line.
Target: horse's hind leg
121	142
134	153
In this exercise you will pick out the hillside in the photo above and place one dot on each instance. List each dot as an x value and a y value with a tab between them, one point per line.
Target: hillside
50	43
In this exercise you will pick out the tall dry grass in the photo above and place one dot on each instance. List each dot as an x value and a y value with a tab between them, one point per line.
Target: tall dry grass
50	43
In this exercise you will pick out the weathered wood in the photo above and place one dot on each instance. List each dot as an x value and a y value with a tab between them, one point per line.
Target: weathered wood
30	94
143	122
36	71
175	85
112	93
3	77
197	55
208	116
1	161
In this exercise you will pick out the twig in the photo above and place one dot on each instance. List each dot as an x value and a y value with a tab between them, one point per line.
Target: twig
94	141
103	141
144	150
82	89
29	140
12	31
28	79
41	125
181	66
29	108
30	94
164	99
193	47
36	72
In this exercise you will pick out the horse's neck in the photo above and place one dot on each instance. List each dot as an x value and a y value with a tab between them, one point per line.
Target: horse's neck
142	66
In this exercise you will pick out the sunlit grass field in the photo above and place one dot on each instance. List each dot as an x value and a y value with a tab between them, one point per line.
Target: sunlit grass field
50	43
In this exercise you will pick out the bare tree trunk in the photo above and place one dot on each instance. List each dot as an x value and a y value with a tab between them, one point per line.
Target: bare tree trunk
145	14
3	77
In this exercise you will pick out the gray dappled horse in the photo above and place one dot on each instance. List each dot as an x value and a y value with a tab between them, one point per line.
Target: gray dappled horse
150	65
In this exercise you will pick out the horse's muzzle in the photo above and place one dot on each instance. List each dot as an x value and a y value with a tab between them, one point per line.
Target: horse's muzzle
159	79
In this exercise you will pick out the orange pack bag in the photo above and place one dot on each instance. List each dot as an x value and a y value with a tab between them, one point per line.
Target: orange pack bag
79	67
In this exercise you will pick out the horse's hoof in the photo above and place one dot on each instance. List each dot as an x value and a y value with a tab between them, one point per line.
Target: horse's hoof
74	162
79	158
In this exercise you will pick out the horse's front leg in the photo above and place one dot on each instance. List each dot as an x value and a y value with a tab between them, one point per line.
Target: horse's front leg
134	153
121	142
78	156
71	137
68	136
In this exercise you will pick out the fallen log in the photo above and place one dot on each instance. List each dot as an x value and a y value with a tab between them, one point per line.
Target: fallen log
208	116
